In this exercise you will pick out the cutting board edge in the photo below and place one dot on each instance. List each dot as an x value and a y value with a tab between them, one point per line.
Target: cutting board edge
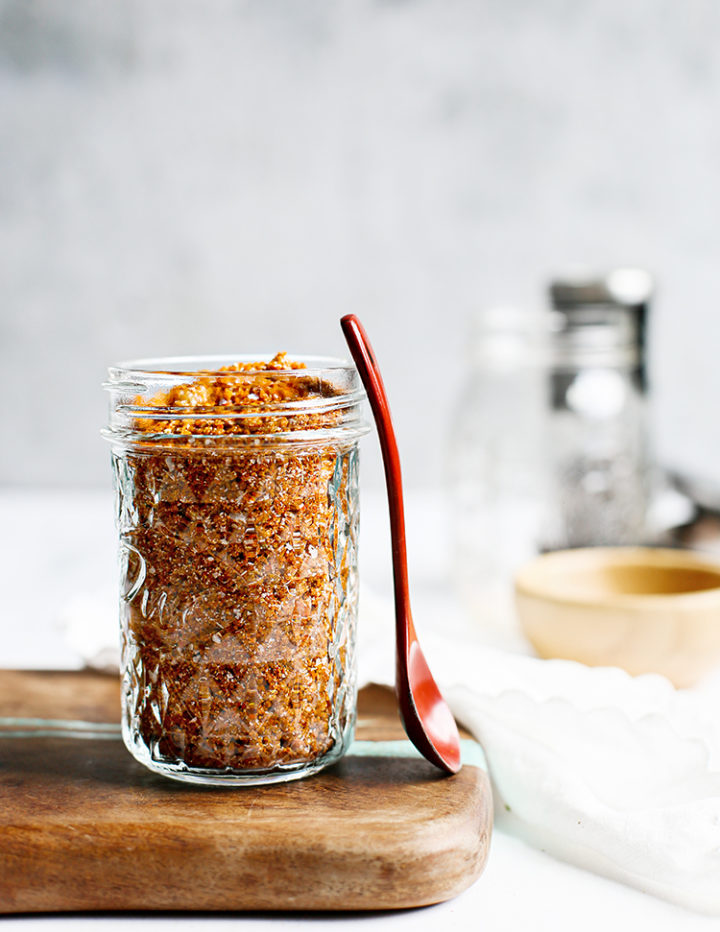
389	881
447	856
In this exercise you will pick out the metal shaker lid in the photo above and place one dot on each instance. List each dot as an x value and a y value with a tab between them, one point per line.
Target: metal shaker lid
623	287
628	291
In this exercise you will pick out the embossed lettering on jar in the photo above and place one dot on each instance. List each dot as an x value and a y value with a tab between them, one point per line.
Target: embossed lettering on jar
237	511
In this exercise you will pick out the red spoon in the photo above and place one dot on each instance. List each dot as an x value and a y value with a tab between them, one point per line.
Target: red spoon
427	719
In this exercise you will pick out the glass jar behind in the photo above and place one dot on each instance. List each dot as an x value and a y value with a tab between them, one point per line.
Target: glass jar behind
237	510
549	449
497	474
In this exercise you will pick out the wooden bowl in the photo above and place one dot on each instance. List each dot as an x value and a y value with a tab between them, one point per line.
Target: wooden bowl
645	610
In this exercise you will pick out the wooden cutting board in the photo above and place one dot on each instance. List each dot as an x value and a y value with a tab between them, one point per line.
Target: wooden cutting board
83	826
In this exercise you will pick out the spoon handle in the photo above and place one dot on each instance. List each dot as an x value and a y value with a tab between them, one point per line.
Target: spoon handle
364	357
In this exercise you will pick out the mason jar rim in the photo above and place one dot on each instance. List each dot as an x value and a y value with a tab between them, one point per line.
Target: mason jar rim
211	364
136	377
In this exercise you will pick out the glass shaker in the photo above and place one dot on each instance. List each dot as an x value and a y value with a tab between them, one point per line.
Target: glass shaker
596	445
601	468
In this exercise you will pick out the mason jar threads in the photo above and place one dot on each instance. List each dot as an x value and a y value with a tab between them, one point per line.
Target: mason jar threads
237	511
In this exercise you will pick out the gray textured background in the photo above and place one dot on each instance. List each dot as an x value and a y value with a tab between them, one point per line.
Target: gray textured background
233	176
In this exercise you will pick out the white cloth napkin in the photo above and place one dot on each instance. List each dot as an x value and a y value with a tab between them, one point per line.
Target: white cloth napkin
616	774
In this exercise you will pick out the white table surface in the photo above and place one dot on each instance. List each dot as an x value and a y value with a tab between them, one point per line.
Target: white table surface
57	544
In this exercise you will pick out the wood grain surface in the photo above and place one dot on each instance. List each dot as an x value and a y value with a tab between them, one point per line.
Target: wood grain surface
83	826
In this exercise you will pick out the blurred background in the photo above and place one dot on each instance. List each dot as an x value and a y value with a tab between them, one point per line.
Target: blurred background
234	176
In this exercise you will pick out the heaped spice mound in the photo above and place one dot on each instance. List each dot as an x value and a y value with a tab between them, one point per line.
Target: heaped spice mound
239	572
245	389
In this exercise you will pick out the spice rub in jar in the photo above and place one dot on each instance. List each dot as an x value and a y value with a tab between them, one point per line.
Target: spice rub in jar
238	513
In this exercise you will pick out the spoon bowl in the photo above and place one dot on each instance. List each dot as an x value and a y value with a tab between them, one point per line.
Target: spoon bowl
428	721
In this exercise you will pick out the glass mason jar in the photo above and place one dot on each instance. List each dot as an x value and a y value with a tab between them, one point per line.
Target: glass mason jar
549	449
237	512
497	465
